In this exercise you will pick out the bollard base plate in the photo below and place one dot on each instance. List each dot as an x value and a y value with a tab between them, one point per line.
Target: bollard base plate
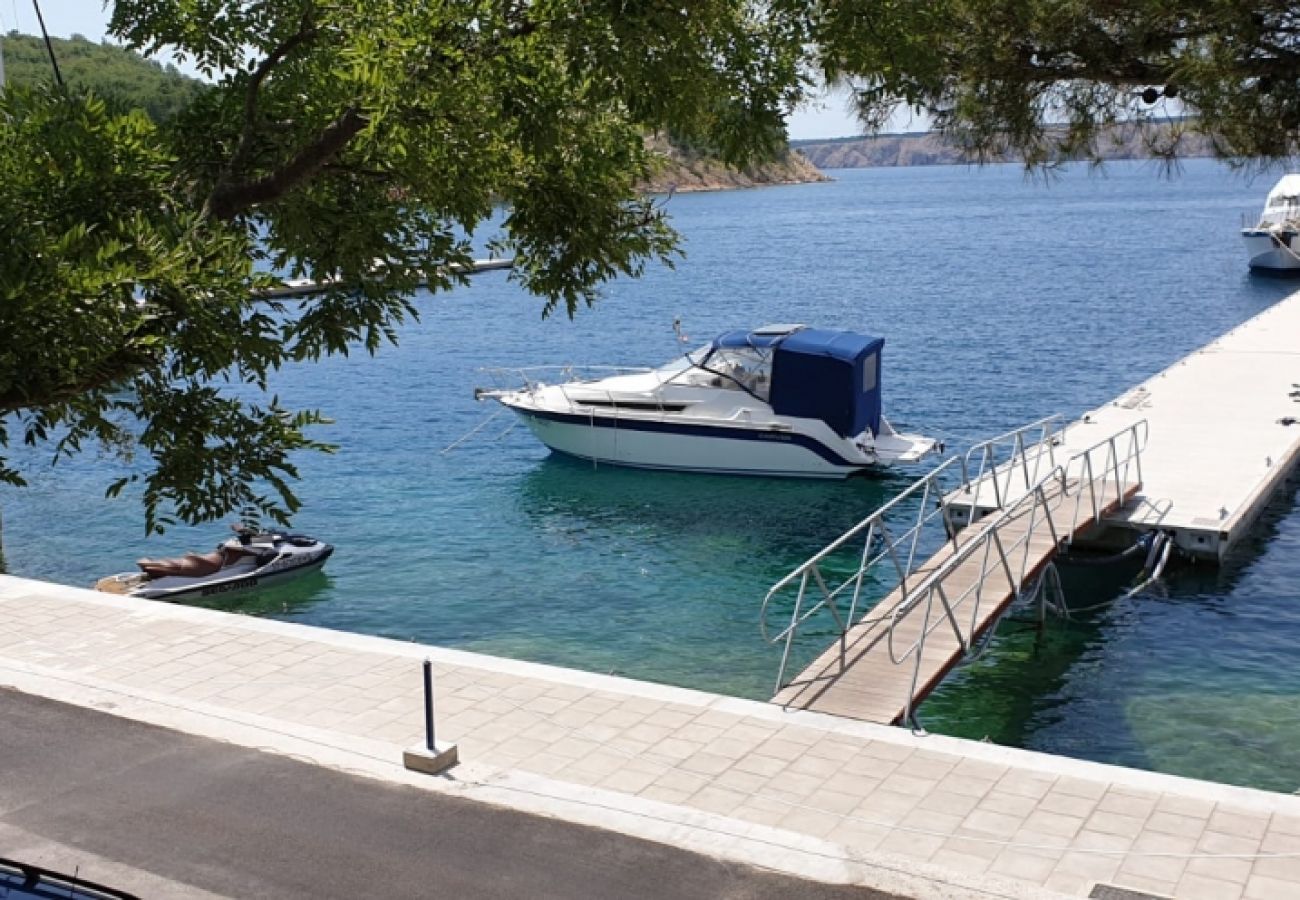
420	758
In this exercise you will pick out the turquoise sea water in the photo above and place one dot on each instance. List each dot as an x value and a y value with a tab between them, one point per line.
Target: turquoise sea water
1000	299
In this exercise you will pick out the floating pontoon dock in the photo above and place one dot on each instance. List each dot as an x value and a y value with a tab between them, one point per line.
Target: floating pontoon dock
1224	434
304	287
1194	452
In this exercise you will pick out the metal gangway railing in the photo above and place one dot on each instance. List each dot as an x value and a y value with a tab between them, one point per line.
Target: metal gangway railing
909	548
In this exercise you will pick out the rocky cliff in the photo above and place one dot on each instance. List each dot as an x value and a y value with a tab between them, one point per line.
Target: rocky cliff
930	149
685	170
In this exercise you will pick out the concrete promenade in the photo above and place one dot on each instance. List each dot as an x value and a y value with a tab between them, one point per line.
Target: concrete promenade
795	792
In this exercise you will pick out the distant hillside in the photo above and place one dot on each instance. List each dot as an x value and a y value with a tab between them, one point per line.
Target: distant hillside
113	73
125	77
929	149
685	170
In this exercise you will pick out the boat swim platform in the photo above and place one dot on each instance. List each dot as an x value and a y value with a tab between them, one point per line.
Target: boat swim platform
881	668
1223	437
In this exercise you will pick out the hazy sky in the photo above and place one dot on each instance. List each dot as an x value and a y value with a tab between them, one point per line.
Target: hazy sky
89	18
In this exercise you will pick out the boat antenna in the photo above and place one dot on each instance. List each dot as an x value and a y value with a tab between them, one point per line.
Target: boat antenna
58	76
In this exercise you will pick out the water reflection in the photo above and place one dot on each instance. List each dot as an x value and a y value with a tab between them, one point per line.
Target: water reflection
282	600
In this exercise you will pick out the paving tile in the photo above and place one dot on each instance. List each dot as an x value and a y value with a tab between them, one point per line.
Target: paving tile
1283	868
1093	866
861	836
886	807
810	822
794	786
960	862
1218	843
1114	823
1024	866
1159	868
968	844
914	846
831	748
1261	887
816	766
762	811
1193	886
1169	823
1067	804
1228	821
992	823
1087	839
961	783
1234	871
1049	824
886	751
766	766
907	784
778	748
1279	842
920	765
1082	787
981	769
714	799
1026	784
1153	886
1284	824
943	801
1000	801
665	794
833	802
673	748
1127	804
1067	883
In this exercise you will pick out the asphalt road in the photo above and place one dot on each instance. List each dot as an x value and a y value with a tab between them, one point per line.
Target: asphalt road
185	816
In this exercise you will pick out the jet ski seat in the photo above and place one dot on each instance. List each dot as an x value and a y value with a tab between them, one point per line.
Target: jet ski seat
191	565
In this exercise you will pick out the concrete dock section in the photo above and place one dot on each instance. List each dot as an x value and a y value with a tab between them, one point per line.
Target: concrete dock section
800	793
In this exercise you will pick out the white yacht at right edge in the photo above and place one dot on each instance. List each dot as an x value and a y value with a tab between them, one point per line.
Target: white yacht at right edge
1274	243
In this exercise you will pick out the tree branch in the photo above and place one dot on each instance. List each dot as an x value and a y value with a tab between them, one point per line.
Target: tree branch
111	370
229	200
306	31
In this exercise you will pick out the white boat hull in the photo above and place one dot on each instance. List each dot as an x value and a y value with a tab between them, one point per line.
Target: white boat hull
692	448
1265	252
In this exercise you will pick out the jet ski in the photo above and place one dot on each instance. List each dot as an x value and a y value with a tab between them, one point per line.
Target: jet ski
251	559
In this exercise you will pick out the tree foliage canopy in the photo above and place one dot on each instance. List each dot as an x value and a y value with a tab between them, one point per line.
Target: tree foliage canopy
1049	79
336	135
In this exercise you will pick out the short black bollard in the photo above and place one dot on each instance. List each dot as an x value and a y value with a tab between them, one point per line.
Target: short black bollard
429	742
430	757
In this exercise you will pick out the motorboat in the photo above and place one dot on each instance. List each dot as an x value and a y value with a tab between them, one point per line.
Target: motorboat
251	559
781	400
1274	243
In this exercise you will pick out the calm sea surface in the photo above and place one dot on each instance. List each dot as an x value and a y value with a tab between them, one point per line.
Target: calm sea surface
1000	299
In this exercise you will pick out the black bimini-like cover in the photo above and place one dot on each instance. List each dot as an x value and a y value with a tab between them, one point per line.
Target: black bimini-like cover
829	375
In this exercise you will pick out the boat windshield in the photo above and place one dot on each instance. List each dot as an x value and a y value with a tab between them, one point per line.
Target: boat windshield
731	368
683	363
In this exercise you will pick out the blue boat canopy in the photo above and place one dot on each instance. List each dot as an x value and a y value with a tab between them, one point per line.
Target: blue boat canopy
819	373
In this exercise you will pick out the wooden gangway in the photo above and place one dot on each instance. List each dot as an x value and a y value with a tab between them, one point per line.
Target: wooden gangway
950	586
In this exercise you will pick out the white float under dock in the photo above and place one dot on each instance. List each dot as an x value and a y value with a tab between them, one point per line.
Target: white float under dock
305	287
1223	434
